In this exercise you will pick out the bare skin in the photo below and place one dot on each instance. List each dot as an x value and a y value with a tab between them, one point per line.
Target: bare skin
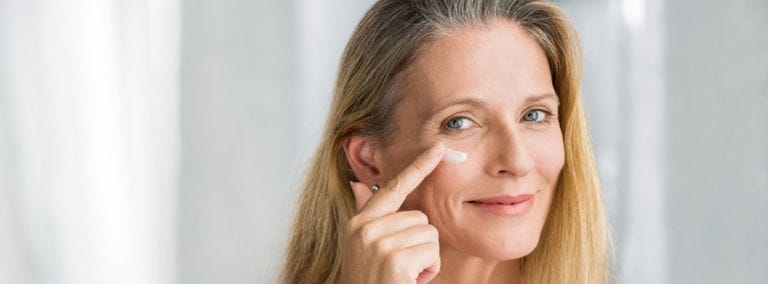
486	91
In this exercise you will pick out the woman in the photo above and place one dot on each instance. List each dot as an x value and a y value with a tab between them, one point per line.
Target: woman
491	86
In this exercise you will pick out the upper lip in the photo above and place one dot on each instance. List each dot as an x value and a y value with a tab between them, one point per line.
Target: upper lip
503	199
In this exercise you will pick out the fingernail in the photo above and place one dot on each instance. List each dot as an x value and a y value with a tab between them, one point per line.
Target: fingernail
454	156
435	151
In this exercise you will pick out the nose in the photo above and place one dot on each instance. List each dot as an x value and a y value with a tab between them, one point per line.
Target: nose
511	157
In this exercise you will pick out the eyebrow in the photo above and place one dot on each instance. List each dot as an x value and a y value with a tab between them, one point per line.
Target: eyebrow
480	104
541	97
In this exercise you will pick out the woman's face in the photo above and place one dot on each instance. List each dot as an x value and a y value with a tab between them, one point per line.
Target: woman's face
487	92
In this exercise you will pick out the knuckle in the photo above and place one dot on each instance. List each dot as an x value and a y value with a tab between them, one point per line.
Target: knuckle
419	166
394	259
418	216
352	225
436	249
395	183
433	231
382	247
422	218
368	233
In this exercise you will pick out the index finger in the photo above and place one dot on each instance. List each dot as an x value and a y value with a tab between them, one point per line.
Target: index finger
390	197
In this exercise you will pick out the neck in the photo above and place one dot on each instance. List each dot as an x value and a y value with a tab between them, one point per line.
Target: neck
459	267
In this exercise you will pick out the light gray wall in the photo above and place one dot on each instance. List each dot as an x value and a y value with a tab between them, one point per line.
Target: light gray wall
256	82
238	139
698	72
717	140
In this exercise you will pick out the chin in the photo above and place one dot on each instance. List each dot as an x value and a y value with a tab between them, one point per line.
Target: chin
513	249
500	246
518	249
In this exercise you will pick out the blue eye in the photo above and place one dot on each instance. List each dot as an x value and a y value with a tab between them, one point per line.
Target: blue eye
535	115
457	124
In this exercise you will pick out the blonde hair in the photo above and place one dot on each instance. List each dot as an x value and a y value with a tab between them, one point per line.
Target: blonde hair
575	244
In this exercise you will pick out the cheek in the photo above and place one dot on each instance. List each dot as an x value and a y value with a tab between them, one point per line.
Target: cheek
440	194
549	156
451	179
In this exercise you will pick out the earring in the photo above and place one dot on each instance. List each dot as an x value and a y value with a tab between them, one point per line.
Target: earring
375	188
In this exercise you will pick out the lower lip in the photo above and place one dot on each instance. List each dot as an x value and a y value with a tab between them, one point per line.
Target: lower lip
506	209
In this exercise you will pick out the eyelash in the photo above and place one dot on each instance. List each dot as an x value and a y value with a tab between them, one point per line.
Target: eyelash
455	130
546	121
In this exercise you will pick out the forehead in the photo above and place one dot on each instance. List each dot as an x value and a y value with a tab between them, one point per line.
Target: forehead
497	62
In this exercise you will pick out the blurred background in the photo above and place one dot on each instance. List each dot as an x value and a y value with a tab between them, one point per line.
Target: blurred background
163	141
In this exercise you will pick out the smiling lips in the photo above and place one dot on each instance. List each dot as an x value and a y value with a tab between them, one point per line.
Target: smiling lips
505	205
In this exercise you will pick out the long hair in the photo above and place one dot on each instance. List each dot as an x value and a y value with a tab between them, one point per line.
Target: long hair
575	244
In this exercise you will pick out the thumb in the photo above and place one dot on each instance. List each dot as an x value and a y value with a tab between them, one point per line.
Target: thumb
362	194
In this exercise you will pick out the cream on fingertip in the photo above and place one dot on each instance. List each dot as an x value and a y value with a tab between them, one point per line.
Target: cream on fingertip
453	156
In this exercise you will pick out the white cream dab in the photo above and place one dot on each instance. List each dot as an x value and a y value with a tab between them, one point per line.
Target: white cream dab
453	156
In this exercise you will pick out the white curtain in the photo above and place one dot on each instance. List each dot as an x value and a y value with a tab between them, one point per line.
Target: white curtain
89	141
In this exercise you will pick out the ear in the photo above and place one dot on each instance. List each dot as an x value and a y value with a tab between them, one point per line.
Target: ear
361	156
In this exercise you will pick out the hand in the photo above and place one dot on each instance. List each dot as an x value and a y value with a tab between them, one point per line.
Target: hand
387	246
